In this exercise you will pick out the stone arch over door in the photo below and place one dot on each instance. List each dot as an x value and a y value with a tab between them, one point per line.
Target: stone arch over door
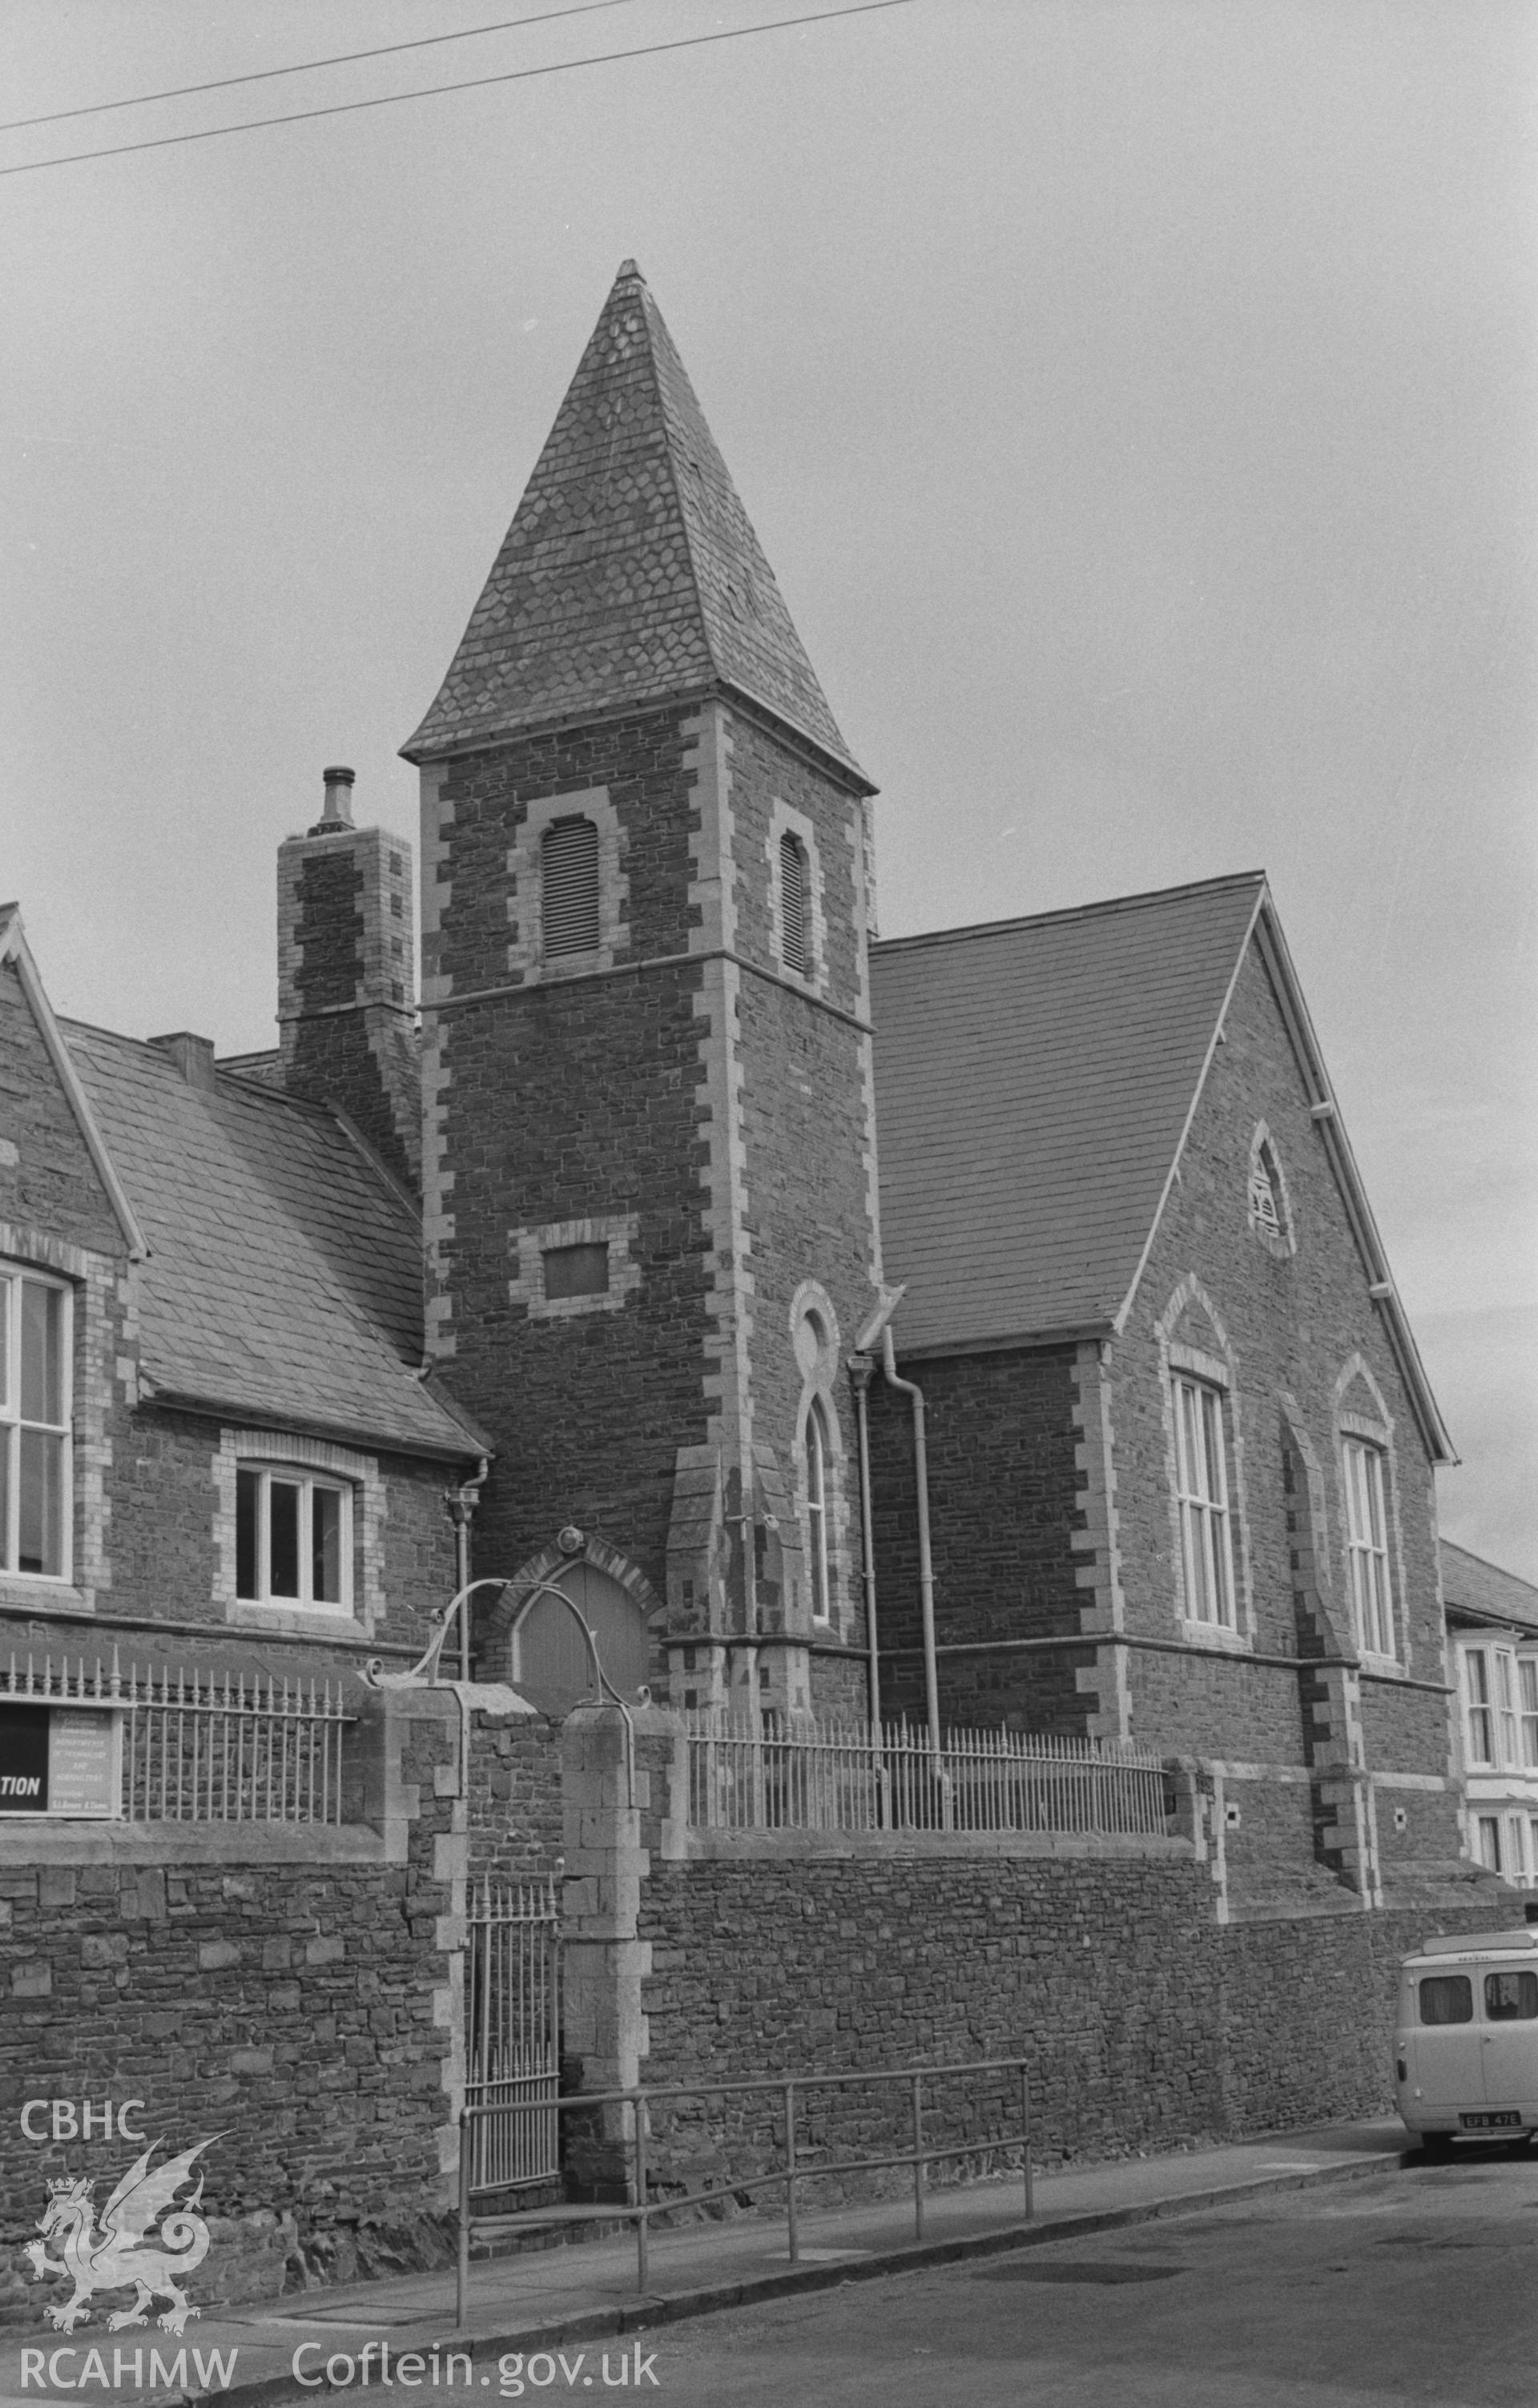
534	1642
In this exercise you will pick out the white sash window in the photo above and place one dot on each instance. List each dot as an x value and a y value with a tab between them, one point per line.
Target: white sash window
34	1422
1202	1476
1367	1539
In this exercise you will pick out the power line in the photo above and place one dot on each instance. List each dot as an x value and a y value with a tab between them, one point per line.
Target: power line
306	67
470	83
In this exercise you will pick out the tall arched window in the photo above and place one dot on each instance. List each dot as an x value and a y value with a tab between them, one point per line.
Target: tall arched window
570	878
816	1509
1202	1496
795	948
1367	1546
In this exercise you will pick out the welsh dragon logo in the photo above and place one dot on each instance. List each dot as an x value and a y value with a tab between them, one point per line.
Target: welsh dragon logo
115	2257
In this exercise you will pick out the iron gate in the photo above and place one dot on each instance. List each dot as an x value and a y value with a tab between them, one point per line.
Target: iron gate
512	2004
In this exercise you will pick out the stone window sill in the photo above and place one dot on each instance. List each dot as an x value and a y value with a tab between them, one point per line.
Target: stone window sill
29	1593
1215	1638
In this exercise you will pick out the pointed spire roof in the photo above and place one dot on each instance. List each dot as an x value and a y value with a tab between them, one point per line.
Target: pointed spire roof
630	573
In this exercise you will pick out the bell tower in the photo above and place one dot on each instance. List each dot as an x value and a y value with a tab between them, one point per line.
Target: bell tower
649	1142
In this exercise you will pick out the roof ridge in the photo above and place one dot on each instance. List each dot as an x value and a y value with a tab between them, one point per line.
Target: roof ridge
1231	882
247	1088
670	461
1486	1563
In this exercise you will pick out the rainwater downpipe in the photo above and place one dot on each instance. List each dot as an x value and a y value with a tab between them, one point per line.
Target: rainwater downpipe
860	1368
925	1567
462	1504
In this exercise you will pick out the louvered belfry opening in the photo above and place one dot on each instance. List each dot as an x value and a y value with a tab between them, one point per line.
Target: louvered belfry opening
1264	1184
570	876
793	906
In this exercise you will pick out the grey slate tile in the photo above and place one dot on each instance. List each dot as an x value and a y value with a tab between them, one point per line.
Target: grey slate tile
1032	1082
285	1277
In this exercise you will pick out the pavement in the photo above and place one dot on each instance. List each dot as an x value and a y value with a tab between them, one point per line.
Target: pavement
365	2334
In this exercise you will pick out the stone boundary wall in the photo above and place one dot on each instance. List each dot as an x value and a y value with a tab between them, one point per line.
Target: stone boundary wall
515	1833
1149	2024
293	1991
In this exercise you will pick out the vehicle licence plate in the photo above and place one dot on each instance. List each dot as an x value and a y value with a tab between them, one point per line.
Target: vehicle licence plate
1505	2118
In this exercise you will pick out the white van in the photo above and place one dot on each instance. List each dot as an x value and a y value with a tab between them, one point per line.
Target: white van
1466	2037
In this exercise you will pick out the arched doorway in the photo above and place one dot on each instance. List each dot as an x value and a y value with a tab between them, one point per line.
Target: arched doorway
550	1667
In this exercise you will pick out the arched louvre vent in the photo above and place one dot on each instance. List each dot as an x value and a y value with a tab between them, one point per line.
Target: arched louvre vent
793	907
1265	1182
570	871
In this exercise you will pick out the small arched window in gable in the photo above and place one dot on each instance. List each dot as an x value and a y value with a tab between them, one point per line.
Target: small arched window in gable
570	865
1268	1204
795	900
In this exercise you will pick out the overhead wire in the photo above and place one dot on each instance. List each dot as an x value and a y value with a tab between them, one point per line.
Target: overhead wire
306	67
470	83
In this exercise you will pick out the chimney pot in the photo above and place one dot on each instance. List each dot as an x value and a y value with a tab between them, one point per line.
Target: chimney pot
338	812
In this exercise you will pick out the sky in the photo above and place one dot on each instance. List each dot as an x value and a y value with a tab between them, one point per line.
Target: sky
1135	397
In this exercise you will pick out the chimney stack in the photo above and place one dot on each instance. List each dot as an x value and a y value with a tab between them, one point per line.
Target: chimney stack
346	992
192	1055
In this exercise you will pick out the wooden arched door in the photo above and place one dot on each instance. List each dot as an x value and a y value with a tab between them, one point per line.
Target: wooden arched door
550	1667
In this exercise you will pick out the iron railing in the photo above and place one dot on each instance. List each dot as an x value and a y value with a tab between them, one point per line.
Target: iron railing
747	1777
204	1747
798	2166
513	1977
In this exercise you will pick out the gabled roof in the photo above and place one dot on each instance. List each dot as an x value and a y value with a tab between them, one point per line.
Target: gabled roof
15	950
284	1275
1035	1082
1473	1590
630	573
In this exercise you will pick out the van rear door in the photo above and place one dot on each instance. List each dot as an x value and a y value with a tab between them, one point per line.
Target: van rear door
1509	2036
1449	2058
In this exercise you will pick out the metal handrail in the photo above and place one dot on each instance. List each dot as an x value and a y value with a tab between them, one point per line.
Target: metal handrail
794	2170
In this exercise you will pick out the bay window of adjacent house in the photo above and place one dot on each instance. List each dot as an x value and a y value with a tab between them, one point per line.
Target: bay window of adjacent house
1500	1708
1202	1484
34	1408
1501	1847
1478	1707
1527	1680
292	1539
1367	1545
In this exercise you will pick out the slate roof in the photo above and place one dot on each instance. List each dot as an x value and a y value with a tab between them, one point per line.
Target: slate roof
1482	1592
1033	1083
630	572
284	1272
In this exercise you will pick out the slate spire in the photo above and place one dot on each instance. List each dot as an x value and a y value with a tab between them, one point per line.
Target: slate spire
630	573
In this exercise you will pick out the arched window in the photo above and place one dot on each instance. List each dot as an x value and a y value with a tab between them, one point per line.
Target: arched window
816	1509
1367	1546
794	949
570	868
1263	1212
1269	1213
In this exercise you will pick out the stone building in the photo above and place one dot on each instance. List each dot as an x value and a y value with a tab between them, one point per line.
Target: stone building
1121	1458
1493	1663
